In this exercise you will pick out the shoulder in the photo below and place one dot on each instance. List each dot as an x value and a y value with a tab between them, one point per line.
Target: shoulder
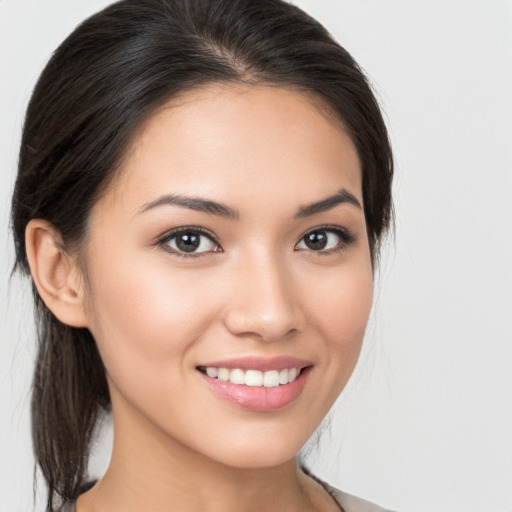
347	502
350	503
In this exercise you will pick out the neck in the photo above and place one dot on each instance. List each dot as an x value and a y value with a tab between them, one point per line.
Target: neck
151	471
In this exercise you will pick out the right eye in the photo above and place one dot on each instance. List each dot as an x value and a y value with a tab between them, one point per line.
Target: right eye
189	242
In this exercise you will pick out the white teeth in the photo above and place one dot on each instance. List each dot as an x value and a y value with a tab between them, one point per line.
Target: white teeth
254	378
212	372
237	377
223	374
271	379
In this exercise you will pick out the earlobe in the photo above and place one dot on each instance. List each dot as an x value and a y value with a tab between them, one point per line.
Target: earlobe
55	273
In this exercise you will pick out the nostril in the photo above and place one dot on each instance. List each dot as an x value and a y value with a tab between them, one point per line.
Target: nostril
263	326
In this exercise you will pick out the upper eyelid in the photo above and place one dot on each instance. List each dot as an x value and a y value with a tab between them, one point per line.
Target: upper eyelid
166	236
331	228
207	232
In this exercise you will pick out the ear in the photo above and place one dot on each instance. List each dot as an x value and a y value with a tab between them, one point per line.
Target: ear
55	273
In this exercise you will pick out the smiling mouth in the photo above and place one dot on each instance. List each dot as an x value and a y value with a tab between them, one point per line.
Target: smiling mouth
252	378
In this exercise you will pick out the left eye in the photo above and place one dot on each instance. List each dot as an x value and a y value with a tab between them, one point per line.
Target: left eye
323	240
191	242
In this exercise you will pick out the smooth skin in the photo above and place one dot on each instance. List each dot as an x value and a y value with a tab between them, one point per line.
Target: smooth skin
252	287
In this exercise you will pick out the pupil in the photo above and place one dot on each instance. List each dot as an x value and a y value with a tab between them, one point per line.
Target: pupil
187	242
316	240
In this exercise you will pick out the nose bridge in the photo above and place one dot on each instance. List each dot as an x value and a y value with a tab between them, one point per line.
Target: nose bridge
264	301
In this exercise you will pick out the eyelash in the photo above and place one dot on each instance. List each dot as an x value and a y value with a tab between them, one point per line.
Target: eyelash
346	239
166	238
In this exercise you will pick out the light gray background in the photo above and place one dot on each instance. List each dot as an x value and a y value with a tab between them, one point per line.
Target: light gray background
426	423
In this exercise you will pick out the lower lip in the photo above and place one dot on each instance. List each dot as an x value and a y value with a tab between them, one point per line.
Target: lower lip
258	398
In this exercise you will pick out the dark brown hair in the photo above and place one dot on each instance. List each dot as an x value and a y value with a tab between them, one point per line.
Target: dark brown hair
100	84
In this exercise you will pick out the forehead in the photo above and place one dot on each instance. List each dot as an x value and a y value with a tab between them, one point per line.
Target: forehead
239	141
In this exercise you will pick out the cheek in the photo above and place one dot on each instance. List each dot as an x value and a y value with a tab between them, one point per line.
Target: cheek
146	317
341	310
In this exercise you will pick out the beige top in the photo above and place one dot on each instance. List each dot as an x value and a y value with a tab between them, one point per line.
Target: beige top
350	503
346	502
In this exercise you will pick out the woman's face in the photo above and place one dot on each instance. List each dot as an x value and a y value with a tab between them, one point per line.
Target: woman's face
232	243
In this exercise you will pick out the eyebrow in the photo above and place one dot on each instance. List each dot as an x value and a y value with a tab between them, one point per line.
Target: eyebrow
341	197
215	208
193	203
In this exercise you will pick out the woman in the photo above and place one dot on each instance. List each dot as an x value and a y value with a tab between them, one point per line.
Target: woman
202	189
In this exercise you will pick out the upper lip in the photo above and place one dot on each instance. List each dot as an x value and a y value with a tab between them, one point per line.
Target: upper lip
260	363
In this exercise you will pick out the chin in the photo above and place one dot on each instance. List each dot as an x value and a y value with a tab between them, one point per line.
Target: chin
259	458
257	450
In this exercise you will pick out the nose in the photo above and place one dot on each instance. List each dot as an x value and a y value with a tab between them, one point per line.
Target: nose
263	302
